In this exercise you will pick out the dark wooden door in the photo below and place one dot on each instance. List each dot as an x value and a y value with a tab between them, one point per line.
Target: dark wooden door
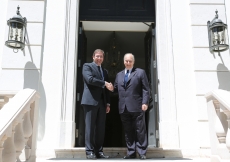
151	71
79	114
117	10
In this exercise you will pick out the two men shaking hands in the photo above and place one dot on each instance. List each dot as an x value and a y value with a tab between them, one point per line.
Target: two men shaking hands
132	87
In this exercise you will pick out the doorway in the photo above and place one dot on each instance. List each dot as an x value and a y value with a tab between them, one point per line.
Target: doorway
123	42
137	42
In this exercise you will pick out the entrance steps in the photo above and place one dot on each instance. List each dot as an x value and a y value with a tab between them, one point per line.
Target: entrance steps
119	152
120	159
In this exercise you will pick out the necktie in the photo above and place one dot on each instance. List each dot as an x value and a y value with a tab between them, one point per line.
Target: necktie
126	77
99	69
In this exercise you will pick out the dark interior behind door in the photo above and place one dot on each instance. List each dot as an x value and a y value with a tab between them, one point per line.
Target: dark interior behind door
79	114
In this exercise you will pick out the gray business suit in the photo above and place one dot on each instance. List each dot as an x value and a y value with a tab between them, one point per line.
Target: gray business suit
94	99
131	97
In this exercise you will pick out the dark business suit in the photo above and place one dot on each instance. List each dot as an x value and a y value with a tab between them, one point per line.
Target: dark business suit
94	99
131	98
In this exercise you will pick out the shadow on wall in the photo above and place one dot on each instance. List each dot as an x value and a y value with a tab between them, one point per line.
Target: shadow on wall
223	77
32	80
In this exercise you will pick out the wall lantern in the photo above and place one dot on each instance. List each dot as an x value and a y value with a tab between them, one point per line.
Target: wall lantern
218	35
16	33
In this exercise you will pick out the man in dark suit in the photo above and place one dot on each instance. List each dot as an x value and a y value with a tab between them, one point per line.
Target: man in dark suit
133	90
95	101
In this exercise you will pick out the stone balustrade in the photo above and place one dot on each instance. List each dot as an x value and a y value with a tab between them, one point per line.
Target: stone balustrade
18	126
5	96
218	104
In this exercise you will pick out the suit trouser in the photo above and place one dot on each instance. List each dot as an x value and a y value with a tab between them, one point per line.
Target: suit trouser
135	132
94	127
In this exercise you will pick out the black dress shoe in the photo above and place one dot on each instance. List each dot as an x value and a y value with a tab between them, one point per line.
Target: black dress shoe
102	156
142	157
91	156
133	156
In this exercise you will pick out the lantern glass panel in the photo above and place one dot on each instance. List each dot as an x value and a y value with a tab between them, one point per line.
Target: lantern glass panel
16	33
219	38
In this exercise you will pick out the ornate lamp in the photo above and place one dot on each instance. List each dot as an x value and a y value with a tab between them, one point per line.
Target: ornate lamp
113	58
217	34
16	33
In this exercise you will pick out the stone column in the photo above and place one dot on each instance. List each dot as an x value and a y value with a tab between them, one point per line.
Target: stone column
67	117
56	102
185	101
168	126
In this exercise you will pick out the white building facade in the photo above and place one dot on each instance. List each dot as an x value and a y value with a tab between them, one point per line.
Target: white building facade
185	67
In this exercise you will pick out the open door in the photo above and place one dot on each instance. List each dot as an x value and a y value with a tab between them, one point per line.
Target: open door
151	71
79	114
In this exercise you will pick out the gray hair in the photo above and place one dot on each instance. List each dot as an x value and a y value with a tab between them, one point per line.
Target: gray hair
129	54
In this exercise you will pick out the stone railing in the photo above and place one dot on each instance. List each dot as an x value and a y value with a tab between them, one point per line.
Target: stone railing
218	104
5	96
18	126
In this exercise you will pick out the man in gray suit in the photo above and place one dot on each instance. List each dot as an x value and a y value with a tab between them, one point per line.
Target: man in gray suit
95	101
133	90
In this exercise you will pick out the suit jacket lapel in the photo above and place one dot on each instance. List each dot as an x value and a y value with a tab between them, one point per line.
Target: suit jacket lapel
133	72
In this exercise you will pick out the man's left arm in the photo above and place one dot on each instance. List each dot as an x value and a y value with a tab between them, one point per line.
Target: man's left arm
145	91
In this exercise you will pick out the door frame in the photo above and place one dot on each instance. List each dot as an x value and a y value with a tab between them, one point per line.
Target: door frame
166	88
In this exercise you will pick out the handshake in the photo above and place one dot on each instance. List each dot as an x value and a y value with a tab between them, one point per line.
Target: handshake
109	86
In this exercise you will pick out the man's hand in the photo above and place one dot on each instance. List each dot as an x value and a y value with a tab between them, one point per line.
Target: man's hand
107	109
144	107
109	86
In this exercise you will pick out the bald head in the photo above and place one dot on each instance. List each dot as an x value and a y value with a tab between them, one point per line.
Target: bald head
130	54
129	60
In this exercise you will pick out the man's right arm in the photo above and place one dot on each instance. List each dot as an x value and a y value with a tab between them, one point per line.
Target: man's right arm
89	78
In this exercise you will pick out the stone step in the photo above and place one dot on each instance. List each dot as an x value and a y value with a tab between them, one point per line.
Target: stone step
120	159
152	152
